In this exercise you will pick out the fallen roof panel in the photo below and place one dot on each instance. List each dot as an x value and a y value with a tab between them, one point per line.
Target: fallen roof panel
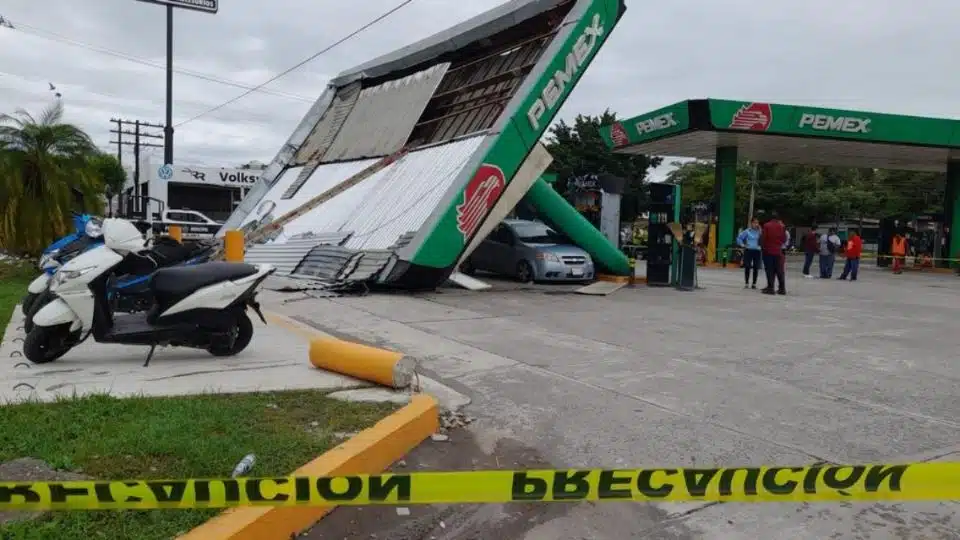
406	193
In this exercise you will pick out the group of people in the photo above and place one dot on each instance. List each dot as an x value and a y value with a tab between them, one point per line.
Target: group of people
825	247
766	245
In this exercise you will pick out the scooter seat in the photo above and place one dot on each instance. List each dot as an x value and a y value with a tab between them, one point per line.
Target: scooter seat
172	284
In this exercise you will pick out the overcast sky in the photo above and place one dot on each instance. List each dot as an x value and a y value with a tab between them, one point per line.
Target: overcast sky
886	55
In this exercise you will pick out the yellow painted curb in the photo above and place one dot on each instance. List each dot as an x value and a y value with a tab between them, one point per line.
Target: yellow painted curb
303	330
387	368
613	279
371	451
621	279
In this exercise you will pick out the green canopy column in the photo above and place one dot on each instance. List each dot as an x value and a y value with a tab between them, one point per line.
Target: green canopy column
726	178
951	210
556	211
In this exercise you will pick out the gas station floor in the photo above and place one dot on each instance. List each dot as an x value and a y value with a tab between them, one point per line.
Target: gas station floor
835	371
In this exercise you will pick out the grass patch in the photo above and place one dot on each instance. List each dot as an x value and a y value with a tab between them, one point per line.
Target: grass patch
178	437
15	275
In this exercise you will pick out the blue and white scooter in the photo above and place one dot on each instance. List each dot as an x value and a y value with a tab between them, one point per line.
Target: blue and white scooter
127	291
87	233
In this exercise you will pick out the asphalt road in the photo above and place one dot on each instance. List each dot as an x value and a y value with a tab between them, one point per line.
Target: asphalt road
835	371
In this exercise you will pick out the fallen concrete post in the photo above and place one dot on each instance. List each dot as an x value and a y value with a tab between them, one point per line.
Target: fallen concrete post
386	368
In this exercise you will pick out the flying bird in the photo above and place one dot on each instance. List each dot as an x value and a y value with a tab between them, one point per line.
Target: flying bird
52	87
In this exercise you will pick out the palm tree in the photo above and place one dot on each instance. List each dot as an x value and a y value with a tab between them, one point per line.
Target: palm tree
44	164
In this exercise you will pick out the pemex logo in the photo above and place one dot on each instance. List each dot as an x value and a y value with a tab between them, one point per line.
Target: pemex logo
478	198
754	117
619	135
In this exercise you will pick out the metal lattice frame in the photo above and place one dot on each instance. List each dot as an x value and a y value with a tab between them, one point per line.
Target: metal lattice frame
479	84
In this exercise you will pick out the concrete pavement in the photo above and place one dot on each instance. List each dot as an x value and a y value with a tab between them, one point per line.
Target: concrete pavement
835	371
276	359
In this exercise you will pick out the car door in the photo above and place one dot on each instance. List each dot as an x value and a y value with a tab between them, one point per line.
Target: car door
502	250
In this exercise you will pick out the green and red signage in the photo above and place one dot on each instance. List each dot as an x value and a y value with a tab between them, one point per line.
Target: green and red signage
647	127
504	153
799	120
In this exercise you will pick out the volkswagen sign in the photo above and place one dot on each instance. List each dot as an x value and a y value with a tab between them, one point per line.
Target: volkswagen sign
165	172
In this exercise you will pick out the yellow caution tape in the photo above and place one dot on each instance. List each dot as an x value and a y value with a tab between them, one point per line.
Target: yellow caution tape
818	483
918	257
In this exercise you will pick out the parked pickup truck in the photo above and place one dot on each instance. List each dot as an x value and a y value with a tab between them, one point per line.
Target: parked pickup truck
193	224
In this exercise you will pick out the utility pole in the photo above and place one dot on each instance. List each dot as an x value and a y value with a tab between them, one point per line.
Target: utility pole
754	174
119	141
137	145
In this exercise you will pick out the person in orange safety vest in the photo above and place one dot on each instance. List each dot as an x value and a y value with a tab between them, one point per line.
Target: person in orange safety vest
898	250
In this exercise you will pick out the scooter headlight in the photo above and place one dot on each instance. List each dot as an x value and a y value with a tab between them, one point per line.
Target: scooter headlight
49	260
66	275
93	228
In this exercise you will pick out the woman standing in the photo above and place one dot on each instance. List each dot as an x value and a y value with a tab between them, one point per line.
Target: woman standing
749	241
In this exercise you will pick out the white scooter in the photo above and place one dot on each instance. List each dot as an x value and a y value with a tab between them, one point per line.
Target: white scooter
201	306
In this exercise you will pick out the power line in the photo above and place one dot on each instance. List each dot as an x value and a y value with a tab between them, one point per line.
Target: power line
396	8
53	36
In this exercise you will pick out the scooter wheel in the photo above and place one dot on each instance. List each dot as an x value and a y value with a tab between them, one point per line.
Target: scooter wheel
27	303
244	333
45	344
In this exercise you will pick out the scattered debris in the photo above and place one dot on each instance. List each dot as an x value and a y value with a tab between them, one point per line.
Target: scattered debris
272	406
439	437
454	419
403	511
245	465
345	434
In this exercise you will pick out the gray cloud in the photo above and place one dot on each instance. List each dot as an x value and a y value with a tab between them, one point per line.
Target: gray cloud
885	55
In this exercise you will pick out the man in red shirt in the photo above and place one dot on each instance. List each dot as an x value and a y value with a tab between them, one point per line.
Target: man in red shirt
853	250
772	238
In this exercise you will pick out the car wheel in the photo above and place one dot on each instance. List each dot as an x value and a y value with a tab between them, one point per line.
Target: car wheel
524	272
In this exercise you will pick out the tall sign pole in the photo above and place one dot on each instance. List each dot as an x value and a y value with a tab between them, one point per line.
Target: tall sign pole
168	129
206	6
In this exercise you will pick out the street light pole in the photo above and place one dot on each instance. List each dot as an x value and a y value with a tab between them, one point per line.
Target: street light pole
168	129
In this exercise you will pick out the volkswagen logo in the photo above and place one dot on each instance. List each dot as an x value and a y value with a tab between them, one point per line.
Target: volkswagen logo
165	172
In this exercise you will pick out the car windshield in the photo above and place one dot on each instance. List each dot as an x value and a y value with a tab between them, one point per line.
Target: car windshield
537	233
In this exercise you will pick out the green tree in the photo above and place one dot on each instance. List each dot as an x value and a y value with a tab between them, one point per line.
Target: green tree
578	149
43	164
110	173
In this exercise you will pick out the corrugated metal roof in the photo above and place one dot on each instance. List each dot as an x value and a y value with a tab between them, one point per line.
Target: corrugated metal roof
367	266
325	263
384	116
322	179
328	238
406	193
287	255
404	239
276	167
329	125
287	177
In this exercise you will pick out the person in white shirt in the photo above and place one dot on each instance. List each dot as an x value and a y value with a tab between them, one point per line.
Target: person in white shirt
829	245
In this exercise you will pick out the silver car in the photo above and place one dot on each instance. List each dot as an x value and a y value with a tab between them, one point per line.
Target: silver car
530	251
